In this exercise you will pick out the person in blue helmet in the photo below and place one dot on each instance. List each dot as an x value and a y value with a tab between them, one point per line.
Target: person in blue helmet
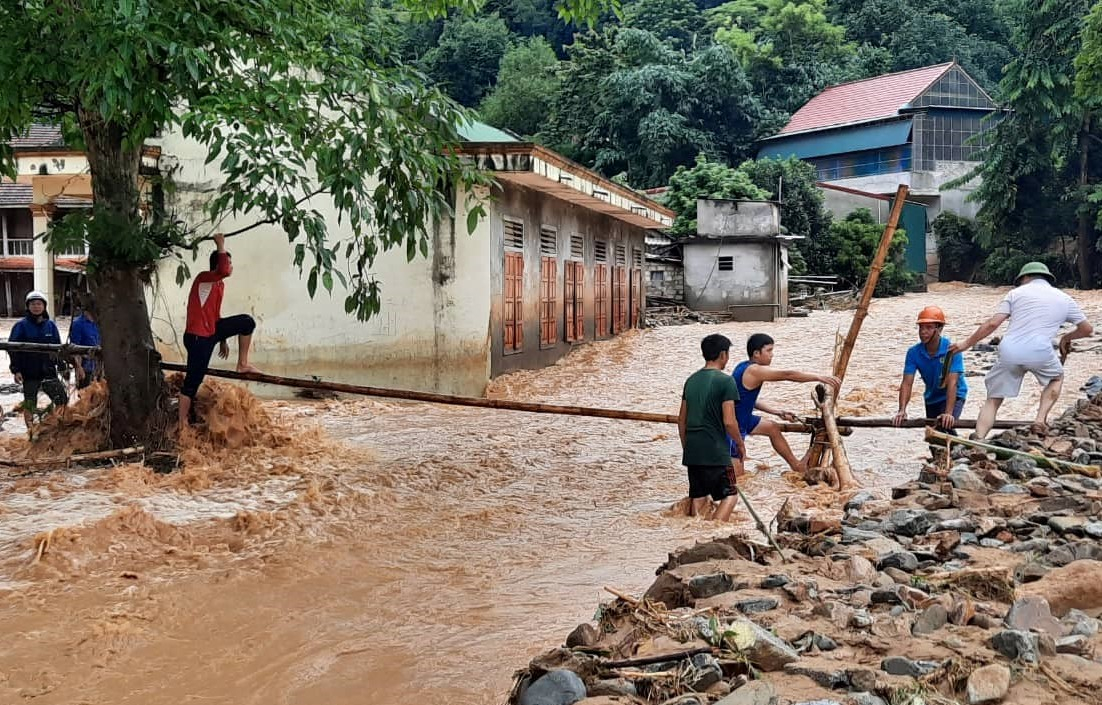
37	371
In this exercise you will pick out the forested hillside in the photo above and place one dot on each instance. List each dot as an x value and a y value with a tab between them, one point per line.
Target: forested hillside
641	94
644	92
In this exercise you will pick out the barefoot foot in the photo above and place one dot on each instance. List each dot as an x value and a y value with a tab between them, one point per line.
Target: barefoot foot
248	370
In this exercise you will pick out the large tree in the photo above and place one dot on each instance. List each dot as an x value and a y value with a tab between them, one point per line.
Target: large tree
295	99
1036	173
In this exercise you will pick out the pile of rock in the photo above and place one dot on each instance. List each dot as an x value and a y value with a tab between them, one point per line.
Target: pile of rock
979	582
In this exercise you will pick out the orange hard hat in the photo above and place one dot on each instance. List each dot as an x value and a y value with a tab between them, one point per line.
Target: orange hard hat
931	314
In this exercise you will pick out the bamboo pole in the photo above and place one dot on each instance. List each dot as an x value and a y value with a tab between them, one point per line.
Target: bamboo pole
815	457
58	348
825	401
1002	453
845	422
760	524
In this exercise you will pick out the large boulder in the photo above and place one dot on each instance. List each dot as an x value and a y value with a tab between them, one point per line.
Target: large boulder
988	684
558	687
1077	585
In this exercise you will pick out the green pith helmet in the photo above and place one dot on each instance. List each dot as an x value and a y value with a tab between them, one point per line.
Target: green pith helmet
1036	269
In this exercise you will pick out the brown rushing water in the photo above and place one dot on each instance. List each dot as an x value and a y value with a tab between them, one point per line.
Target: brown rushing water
434	550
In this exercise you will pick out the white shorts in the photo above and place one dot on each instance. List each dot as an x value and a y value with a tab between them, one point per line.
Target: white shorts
1004	380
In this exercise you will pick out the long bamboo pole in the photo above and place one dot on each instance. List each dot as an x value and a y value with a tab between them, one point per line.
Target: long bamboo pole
845	423
1003	453
815	457
887	422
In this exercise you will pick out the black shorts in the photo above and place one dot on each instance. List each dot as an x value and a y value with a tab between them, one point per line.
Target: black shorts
200	348
710	480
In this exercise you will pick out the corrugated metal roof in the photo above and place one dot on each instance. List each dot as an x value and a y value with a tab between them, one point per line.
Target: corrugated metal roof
476	131
39	136
838	141
871	99
15	195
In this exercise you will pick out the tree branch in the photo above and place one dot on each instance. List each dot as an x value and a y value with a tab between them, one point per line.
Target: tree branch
267	221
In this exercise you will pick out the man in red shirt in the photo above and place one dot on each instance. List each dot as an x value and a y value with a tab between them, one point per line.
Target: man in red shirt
206	328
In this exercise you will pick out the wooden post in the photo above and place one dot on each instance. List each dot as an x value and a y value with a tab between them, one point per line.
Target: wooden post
815	457
825	401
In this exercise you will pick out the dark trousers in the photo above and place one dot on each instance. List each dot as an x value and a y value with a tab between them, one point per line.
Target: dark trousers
200	348
54	388
935	410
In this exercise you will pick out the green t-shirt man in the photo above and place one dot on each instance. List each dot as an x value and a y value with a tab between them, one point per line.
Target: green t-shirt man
705	435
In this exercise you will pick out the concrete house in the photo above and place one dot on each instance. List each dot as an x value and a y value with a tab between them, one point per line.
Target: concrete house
738	260
52	179
557	261
924	127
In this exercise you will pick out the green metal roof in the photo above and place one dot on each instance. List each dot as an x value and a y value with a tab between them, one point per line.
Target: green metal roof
476	131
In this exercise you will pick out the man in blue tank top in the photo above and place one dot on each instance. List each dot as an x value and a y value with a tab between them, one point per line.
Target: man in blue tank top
750	376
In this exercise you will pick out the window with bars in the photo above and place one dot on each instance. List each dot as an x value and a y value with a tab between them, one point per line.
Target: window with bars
513	233
574	298
600	251
549	240
513	303
577	247
726	264
548	321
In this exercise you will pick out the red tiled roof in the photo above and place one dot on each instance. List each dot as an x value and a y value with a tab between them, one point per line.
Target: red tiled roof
69	265
874	98
38	136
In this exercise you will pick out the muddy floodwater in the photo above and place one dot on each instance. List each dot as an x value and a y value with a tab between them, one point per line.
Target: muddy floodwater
378	552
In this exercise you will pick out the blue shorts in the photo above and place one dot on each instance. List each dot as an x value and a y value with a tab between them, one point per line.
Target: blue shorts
745	429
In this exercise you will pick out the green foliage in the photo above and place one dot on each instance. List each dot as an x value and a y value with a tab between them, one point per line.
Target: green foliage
1002	266
629	103
467	56
958	247
1031	191
854	241
705	179
917	33
527	87
676	22
789	50
792	182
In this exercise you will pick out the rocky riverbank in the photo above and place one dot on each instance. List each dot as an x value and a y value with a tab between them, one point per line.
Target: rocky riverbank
978	582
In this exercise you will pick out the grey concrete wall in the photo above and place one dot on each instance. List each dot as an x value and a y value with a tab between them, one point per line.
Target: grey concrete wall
726	218
536	208
665	280
752	285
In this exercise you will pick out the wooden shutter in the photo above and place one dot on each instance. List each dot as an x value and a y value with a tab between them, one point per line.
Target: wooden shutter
636	294
579	301
600	300
513	309
548	321
619	299
568	301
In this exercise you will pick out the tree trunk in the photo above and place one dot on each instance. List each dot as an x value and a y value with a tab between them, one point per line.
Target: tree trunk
118	277
1084	240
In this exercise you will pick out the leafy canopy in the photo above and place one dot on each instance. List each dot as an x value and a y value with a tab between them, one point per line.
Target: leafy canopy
527	87
296	100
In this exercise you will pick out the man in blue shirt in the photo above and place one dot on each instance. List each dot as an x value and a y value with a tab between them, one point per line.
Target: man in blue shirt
944	398
84	330
36	371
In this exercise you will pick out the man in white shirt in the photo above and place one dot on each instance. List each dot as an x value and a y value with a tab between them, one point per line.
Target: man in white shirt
1036	309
